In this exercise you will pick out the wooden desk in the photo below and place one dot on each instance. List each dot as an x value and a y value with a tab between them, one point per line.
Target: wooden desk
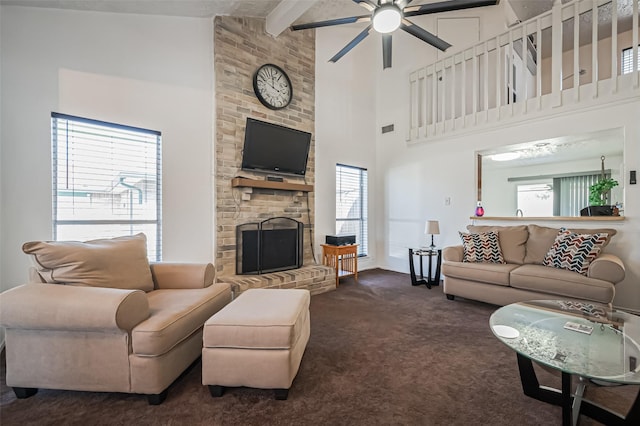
344	259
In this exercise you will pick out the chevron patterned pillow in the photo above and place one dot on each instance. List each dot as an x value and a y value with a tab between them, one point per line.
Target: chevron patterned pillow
482	247
574	252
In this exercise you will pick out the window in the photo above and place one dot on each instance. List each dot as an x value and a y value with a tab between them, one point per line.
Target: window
106	181
351	204
627	60
535	199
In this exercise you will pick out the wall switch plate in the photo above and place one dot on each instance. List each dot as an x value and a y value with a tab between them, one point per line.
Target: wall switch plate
447	201
632	177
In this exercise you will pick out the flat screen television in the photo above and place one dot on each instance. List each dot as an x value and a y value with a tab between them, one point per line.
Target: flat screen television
273	148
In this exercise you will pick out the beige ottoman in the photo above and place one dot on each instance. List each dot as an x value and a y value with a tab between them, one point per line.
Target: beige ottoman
256	341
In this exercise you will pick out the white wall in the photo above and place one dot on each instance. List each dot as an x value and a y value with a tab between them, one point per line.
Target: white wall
413	180
148	71
345	108
1	199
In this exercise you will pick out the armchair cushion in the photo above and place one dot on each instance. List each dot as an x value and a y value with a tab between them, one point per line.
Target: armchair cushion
176	315
115	263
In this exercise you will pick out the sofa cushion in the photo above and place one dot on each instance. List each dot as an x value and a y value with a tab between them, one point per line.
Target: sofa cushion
560	282
483	247
512	240
175	315
574	252
492	273
115	263
541	238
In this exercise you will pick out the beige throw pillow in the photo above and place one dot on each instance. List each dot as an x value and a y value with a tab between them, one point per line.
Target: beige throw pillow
116	263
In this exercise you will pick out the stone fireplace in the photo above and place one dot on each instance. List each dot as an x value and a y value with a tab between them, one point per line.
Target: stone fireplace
241	46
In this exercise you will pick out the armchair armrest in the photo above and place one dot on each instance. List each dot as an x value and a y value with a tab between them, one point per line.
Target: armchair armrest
65	307
182	275
452	254
607	267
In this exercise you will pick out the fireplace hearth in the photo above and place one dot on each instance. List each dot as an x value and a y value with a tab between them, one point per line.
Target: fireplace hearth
275	244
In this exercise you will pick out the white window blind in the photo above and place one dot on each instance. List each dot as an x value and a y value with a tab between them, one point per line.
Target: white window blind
573	193
106	181
351	204
627	60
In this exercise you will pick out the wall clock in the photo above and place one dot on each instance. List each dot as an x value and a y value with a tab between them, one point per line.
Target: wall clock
272	86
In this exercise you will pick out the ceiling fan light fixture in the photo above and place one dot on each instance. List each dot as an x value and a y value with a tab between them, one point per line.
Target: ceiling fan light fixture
387	18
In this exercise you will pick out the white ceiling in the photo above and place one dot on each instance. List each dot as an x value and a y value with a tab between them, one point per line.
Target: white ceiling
320	9
561	149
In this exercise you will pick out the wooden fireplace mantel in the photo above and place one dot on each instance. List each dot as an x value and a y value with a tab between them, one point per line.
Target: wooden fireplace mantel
267	184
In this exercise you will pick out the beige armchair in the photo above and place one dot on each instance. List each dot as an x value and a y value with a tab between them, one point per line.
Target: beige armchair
102	319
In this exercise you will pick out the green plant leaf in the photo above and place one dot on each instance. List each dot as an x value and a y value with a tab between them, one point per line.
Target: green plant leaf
599	190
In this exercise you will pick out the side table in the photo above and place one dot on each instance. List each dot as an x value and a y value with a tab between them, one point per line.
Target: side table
430	253
344	259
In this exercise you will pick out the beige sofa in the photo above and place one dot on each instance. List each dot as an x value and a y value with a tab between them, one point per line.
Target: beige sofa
523	276
99	317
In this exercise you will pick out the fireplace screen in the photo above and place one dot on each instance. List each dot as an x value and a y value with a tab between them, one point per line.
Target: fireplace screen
272	245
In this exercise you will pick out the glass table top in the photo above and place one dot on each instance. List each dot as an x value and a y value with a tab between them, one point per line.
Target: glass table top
546	331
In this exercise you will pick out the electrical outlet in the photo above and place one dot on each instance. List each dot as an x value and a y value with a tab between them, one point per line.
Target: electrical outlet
447	201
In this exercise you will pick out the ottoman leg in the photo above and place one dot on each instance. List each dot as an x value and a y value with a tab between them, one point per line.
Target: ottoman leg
281	394
216	391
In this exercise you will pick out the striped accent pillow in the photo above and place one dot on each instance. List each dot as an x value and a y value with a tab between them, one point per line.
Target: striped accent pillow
483	247
574	252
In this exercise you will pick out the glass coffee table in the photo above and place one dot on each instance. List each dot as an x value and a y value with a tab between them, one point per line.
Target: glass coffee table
582	339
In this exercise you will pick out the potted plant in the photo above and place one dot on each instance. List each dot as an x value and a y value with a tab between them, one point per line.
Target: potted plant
598	193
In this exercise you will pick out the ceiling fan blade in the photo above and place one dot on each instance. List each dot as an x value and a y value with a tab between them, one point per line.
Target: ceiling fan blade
386	51
446	6
366	4
339	21
424	35
351	44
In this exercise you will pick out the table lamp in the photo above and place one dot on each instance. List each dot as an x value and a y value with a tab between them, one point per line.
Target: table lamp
432	227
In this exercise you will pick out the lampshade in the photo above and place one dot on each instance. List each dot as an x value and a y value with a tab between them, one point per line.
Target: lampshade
432	227
386	19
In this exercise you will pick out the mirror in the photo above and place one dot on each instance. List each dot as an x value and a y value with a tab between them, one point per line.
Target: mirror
550	177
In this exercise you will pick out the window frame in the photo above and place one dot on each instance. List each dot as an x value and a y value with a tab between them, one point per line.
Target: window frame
55	116
363	221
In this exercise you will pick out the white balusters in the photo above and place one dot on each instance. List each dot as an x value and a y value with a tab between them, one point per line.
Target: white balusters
493	81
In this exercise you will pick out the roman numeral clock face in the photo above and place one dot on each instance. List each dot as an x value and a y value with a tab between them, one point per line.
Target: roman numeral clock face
272	86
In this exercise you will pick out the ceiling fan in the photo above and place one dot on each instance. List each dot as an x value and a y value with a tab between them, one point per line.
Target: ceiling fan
386	16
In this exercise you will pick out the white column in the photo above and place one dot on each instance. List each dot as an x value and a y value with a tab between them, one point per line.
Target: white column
556	52
594	49
614	46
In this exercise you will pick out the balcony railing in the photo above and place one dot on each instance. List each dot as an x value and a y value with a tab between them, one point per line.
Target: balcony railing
569	57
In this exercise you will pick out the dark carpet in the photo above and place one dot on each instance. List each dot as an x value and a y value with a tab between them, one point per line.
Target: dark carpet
381	353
